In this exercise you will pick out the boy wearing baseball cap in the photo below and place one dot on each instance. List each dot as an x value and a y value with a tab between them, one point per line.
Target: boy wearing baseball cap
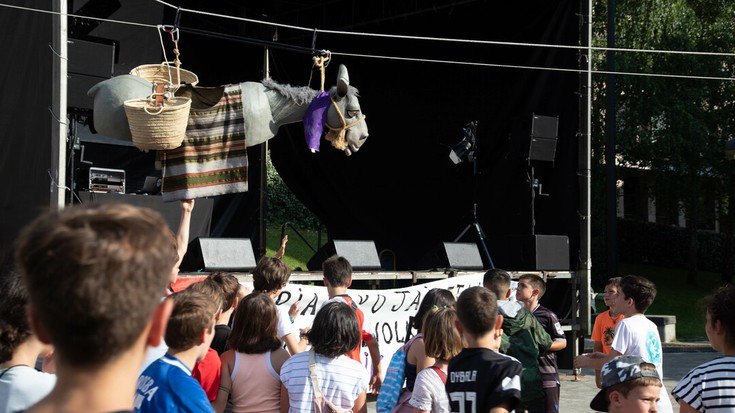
629	385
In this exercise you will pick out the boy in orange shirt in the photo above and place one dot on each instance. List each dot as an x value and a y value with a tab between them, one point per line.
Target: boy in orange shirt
603	331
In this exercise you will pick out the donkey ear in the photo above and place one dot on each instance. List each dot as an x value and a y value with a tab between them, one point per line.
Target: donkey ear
343	81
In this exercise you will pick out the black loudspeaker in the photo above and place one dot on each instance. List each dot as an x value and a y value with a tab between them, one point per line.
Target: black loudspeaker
362	255
219	254
530	252
454	255
544	131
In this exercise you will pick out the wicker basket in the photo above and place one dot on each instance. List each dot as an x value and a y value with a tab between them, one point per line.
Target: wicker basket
157	128
166	72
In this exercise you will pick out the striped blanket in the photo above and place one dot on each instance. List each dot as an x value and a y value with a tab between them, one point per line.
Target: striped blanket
212	160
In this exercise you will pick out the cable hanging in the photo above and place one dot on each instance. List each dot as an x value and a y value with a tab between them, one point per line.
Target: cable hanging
324	53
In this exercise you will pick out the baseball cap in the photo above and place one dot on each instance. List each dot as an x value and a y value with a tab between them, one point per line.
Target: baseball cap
620	370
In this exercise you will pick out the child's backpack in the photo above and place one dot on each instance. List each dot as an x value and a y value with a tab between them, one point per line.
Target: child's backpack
395	376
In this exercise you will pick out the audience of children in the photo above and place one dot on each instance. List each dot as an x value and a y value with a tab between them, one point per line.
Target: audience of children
479	378
21	385
251	369
442	341
709	386
635	335
338	278
167	384
531	287
342	381
603	330
524	338
629	385
91	270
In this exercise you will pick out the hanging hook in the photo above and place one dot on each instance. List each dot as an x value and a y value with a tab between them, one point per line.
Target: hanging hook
177	17
313	40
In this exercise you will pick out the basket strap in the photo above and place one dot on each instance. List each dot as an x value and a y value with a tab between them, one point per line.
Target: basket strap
160	90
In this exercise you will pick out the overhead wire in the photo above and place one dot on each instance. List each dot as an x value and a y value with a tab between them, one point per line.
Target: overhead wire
314	31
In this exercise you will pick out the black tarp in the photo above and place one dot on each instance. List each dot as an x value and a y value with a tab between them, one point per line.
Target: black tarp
401	189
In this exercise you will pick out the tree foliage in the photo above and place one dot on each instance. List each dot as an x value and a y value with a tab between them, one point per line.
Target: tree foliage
676	125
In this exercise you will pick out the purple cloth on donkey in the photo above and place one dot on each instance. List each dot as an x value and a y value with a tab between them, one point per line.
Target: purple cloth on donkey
315	119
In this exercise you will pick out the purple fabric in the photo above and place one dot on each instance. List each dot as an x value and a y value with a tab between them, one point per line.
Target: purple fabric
314	120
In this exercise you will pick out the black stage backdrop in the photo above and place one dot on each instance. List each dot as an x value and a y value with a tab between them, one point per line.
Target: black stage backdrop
401	189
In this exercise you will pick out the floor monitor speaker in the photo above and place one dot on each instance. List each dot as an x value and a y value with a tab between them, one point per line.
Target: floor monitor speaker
219	254
362	255
530	252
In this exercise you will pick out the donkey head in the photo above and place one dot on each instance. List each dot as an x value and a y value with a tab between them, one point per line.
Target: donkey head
345	119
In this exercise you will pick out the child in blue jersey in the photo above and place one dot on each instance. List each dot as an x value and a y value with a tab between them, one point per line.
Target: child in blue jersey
167	385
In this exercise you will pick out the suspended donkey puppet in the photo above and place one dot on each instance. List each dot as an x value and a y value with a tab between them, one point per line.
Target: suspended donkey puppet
225	120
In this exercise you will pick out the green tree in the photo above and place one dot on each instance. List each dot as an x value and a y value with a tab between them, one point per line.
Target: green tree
676	127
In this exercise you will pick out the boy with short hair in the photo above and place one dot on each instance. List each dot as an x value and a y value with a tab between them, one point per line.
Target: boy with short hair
479	378
531	288
603	330
166	385
337	278
231	288
629	385
270	276
207	370
635	335
95	275
523	338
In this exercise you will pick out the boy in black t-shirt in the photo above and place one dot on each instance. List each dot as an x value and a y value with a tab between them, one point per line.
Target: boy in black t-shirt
480	379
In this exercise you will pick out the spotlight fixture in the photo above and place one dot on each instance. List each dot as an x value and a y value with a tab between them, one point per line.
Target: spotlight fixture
464	148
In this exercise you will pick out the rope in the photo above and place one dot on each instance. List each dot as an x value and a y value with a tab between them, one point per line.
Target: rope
337	135
321	62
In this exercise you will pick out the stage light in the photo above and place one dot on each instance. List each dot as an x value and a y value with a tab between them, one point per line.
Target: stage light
460	150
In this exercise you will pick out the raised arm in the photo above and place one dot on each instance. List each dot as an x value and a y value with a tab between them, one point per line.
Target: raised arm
182	235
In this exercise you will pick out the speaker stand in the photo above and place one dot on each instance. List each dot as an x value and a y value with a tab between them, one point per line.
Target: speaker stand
475	225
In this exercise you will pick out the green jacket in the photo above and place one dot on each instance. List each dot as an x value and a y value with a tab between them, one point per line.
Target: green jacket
525	339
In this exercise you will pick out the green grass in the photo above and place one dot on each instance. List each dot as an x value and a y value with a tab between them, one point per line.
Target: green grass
298	251
676	297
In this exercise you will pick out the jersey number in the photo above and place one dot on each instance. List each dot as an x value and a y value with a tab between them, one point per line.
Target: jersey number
463	398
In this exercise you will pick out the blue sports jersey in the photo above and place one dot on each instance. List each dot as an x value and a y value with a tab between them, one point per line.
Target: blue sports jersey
167	386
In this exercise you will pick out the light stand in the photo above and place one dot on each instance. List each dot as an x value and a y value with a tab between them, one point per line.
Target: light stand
468	147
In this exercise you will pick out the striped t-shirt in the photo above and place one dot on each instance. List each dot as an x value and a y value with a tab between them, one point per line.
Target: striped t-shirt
709	387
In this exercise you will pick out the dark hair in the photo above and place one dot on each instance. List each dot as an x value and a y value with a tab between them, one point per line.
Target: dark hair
721	307
335	330
14	326
614	281
536	281
230	286
192	313
270	275
211	289
441	338
640	289
477	310
497	281
436	297
95	274
255	329
337	270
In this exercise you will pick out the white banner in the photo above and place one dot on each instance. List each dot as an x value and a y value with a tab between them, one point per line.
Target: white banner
386	311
